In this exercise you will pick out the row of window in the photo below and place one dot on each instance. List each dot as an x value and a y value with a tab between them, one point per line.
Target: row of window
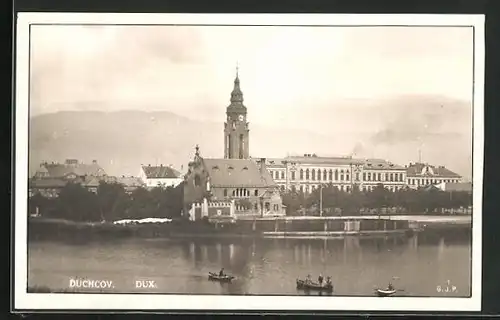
337	175
313	174
377	176
242	193
426	181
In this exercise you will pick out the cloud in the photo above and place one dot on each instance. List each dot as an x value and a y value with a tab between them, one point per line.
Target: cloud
71	65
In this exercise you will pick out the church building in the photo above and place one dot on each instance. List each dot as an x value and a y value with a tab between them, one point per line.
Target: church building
236	178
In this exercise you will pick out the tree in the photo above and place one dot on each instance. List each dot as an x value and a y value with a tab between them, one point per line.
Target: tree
112	200
77	203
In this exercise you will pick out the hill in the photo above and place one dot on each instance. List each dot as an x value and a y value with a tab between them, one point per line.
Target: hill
394	129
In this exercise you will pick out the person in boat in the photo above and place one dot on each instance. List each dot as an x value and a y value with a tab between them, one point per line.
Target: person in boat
221	272
328	281
390	286
308	279
320	279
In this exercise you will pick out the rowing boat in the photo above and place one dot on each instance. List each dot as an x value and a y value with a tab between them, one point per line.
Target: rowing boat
327	287
385	293
215	277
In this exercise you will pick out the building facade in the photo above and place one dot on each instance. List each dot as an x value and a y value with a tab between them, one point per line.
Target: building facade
160	176
308	172
50	178
236	177
423	175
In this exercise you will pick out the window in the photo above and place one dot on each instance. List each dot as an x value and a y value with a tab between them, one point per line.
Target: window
301	188
330	175
336	174
271	173
386	177
301	174
256	192
234	193
364	176
277	174
282	174
379	177
293	175
391	177
313	174
225	192
197	180
276	207
324	174
307	174
347	177
357	176
319	175
268	206
255	206
369	177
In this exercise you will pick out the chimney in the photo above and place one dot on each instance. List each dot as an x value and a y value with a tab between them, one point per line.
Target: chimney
262	165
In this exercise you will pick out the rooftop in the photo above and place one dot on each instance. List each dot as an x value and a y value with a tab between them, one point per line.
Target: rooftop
427	170
160	172
237	172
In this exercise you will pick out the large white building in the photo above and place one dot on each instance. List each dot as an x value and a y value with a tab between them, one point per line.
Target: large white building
308	172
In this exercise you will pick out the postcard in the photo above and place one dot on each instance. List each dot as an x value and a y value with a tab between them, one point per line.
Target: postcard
291	162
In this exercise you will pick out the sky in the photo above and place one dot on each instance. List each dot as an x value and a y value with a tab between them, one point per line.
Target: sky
283	70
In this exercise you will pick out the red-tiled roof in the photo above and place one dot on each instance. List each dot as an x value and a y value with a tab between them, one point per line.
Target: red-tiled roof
416	169
237	172
160	172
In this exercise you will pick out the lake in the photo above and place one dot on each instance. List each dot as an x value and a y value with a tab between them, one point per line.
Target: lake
425	264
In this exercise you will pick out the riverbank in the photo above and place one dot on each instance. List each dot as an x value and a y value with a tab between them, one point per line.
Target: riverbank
286	227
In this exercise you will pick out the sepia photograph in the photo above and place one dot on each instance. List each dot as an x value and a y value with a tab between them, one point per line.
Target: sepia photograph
246	161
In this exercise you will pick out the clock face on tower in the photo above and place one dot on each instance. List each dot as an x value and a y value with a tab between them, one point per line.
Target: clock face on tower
240	117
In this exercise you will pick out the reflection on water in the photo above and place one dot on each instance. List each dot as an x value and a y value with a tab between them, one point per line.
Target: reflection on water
261	266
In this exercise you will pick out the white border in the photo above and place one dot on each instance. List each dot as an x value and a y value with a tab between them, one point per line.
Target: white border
66	301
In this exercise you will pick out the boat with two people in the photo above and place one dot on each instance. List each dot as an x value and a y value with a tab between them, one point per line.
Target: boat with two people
309	285
221	276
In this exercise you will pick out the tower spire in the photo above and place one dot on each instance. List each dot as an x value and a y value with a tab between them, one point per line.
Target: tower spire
236	94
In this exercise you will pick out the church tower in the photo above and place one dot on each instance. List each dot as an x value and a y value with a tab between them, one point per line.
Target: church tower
236	144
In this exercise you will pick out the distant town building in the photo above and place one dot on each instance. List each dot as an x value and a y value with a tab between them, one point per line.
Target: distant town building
422	175
129	183
236	177
50	178
71	168
308	172
160	176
